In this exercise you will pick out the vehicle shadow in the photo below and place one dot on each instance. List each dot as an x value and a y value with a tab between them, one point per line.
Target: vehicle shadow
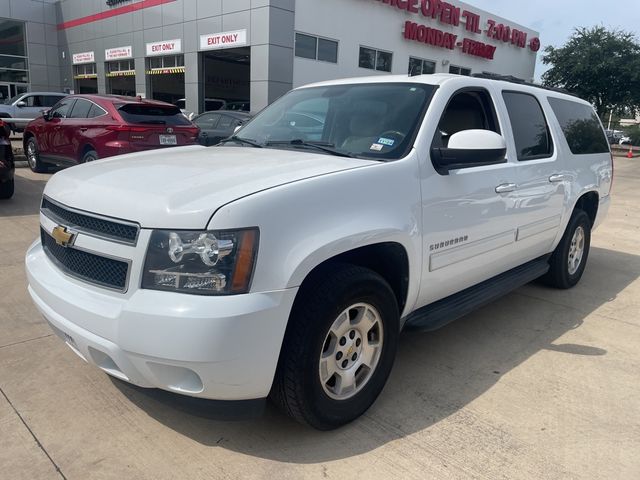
435	375
26	198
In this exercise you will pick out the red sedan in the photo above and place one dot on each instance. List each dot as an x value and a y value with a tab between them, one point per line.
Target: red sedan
83	128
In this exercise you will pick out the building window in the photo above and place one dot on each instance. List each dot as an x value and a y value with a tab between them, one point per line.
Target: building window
418	66
14	66
375	59
88	70
460	70
120	66
316	48
170	61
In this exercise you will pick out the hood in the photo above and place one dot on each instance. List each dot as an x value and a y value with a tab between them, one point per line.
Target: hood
182	187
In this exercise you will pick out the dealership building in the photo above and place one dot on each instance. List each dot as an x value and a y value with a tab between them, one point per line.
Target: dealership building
208	53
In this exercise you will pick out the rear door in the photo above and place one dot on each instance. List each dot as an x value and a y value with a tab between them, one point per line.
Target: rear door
207	122
542	183
156	126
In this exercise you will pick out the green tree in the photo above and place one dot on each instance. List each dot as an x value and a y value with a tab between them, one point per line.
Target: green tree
599	65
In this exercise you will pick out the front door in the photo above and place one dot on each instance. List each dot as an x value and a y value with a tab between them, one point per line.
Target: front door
469	229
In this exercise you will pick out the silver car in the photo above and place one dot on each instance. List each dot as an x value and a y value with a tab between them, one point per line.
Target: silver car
28	106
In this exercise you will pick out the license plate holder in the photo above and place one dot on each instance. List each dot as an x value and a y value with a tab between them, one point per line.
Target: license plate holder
168	140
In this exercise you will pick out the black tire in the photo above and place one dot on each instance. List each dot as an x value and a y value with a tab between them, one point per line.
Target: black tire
297	387
89	156
33	156
6	189
560	274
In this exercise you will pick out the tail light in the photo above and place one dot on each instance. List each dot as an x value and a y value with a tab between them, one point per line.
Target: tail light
127	128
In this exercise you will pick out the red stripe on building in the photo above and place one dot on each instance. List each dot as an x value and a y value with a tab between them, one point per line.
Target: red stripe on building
112	13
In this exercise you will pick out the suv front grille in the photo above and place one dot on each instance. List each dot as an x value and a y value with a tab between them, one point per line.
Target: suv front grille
99	227
102	271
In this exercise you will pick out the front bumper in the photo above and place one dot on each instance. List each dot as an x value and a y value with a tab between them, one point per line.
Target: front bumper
222	348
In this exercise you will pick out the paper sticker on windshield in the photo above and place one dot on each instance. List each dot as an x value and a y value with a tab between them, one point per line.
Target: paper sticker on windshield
376	147
386	141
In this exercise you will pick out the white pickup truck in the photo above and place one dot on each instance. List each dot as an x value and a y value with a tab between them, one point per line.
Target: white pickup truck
287	260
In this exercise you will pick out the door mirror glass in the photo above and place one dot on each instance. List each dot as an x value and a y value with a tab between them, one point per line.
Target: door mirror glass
470	148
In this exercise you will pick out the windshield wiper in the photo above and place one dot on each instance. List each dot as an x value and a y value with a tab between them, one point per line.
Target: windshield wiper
243	141
323	146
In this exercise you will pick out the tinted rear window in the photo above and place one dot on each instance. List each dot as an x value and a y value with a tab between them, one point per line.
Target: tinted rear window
529	125
581	127
152	114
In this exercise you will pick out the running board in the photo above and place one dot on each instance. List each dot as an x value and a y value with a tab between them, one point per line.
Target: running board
445	311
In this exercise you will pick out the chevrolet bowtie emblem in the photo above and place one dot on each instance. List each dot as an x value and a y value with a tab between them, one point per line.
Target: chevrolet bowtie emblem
62	237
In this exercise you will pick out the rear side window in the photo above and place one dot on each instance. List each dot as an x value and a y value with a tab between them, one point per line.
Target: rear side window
152	114
529	126
96	111
80	109
580	126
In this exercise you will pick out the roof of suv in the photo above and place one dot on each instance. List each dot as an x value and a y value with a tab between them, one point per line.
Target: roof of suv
122	99
442	78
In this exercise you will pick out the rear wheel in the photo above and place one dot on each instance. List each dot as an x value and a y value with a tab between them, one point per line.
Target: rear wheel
339	347
6	189
90	156
33	156
569	259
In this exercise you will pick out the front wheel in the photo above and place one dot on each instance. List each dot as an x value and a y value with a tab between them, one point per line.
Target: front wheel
33	156
339	347
569	259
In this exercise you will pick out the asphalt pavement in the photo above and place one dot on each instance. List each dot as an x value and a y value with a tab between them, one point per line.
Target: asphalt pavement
542	384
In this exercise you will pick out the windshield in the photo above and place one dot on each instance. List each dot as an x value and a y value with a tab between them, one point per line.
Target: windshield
9	101
378	121
152	114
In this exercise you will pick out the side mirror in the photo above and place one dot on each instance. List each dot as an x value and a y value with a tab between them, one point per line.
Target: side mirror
470	148
235	130
46	115
21	104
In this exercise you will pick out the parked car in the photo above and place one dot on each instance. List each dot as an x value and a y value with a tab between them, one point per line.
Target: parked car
28	106
83	128
625	141
7	165
216	126
277	265
210	104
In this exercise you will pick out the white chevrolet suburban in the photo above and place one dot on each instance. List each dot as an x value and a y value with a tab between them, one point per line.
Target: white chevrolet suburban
287	260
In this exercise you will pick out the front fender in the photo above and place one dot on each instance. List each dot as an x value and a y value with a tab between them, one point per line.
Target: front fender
305	223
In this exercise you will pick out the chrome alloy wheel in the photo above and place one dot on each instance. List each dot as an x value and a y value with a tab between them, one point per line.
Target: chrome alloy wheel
32	154
576	250
351	351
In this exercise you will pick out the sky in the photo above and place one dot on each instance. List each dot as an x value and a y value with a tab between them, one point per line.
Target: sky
556	19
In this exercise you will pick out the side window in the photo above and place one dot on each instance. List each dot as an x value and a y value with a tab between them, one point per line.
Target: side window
529	125
49	100
33	100
580	126
467	110
96	111
80	109
225	121
209	121
62	109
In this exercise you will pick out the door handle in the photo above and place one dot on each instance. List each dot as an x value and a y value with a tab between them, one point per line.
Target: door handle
506	188
557	178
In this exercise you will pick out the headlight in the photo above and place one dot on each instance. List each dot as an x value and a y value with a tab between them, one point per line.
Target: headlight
201	263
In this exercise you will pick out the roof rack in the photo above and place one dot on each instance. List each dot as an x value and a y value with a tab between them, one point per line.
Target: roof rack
520	81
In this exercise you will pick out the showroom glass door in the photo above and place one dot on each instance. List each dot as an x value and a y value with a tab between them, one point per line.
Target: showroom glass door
4	92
